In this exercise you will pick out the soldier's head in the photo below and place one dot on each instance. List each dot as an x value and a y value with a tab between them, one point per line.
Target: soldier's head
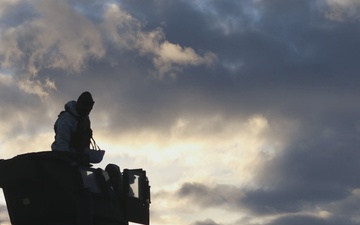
84	104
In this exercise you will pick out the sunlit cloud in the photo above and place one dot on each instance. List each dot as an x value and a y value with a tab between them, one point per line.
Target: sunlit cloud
127	32
60	37
341	10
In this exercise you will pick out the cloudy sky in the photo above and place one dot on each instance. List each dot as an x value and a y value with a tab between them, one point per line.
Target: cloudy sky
242	112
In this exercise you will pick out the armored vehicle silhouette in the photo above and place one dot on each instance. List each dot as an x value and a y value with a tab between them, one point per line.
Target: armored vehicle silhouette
60	188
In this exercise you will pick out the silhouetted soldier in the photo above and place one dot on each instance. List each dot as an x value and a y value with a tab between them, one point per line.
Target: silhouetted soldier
72	128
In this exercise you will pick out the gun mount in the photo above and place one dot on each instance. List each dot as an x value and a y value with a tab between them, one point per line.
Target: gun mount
55	188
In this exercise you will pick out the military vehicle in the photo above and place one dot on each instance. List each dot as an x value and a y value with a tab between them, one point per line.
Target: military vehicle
63	188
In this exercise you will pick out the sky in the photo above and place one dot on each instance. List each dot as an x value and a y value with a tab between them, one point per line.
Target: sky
241	112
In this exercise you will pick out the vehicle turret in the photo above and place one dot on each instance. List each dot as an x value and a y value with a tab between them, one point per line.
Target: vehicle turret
61	188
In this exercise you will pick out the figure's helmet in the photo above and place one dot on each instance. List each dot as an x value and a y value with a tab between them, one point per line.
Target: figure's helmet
84	104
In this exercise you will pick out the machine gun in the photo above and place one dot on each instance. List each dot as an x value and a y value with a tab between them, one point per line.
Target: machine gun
58	188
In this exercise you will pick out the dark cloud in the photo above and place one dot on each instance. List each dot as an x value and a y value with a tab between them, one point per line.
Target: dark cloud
221	195
303	219
16	13
285	62
318	168
347	207
340	209
206	222
288	199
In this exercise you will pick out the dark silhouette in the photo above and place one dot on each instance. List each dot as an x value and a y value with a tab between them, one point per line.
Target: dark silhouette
72	128
115	178
51	188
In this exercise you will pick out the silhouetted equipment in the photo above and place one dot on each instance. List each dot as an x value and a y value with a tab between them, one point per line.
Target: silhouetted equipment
57	188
